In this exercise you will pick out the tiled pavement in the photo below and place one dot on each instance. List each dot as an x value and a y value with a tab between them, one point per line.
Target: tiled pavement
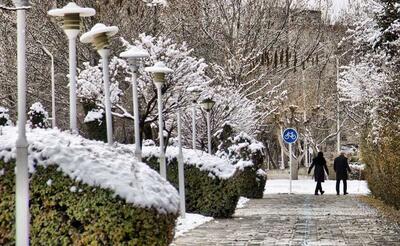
298	220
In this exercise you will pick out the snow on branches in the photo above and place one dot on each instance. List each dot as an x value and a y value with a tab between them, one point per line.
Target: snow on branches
370	82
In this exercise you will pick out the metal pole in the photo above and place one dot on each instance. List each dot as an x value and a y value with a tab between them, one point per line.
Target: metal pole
163	166
209	131
290	168
338	109
181	168
53	98
194	126
104	53
22	176
305	119
53	94
282	154
72	34
138	147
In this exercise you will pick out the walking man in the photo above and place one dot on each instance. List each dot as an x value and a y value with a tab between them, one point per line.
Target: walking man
341	167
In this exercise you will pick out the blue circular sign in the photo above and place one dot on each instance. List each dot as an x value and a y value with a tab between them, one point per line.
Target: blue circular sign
290	135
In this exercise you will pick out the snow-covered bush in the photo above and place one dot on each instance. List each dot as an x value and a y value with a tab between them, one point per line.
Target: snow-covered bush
210	182
86	192
4	117
371	84
38	116
246	154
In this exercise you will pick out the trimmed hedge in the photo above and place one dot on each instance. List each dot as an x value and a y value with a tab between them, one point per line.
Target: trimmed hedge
66	212
209	196
252	184
383	168
237	148
95	130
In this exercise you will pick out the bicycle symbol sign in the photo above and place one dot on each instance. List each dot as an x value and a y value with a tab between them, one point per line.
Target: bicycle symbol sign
290	135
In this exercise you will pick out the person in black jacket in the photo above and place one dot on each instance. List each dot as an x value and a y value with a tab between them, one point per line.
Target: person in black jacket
341	167
320	164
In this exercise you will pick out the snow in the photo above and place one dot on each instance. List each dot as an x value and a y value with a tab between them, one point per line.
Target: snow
190	222
97	29
135	52
242	202
153	3
72	8
357	166
96	164
281	186
205	162
94	115
261	172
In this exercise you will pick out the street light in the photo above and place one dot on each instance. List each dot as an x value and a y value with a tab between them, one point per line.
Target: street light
159	70
195	96
134	56
208	104
181	168
53	96
99	36
72	14
22	218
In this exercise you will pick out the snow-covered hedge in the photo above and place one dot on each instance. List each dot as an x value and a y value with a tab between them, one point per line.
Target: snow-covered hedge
85	192
246	154
210	182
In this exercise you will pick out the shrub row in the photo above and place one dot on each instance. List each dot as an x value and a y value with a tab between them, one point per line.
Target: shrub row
247	154
383	168
205	194
66	212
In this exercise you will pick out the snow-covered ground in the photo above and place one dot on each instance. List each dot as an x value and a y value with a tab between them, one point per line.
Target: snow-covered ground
280	186
190	222
242	202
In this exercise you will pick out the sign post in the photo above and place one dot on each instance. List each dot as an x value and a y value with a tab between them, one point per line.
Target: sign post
290	137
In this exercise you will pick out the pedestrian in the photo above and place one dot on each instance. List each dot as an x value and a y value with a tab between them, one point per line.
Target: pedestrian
341	167
319	165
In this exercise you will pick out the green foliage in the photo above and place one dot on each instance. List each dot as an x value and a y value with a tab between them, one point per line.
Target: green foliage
89	216
95	130
237	147
204	195
251	183
383	167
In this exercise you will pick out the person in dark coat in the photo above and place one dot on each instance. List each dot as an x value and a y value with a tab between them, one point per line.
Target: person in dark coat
341	167
319	163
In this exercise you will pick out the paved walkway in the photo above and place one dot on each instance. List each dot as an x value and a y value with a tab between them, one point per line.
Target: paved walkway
297	220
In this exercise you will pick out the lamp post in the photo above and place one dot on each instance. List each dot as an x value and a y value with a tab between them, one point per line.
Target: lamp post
99	36
208	104
53	96
159	70
181	168
195	95
134	56
338	110
71	14
22	220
